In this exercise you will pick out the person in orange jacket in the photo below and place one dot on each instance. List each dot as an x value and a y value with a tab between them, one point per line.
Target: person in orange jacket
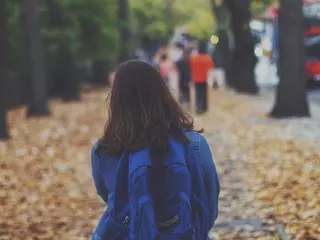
200	65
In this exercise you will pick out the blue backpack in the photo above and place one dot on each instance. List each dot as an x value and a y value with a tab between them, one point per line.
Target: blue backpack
158	201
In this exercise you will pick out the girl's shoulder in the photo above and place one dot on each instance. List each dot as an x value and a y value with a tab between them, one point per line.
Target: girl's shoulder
94	147
196	139
98	153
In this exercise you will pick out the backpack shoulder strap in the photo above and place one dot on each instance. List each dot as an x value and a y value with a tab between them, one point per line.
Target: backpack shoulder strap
176	153
138	162
139	159
143	222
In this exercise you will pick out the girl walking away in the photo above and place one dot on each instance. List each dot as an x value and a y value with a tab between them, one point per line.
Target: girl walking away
166	68
183	66
200	66
151	167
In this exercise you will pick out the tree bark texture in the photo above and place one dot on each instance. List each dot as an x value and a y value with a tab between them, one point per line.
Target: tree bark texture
291	97
38	105
242	75
3	73
222	52
66	81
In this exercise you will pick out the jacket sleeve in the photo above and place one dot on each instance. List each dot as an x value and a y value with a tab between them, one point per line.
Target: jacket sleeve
97	176
211	180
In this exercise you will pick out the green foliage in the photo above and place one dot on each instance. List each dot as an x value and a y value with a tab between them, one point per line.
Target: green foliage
196	15
202	24
156	19
258	7
153	18
150	18
89	27
93	26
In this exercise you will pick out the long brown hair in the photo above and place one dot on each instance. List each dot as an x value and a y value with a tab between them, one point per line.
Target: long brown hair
142	112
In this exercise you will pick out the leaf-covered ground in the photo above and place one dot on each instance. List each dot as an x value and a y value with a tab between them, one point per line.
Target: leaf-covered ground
46	189
269	172
278	162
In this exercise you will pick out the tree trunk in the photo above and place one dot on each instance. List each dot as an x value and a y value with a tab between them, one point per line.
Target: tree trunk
124	30
38	105
66	79
291	97
244	59
67	76
222	51
100	72
3	74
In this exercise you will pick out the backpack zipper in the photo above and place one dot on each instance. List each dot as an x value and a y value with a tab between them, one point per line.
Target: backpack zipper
126	221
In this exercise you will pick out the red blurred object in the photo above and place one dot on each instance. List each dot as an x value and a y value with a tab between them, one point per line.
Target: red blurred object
312	31
311	12
272	12
313	68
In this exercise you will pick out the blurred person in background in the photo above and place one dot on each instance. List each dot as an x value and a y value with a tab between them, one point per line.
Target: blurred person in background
183	67
163	49
166	67
142	55
176	51
218	74
200	65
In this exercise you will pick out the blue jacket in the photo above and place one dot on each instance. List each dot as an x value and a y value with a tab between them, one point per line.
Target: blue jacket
104	171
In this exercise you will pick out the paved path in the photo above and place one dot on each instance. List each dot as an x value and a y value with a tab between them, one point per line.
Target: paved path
238	215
